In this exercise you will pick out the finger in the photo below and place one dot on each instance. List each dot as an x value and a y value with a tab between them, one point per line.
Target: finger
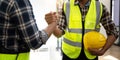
53	17
53	12
49	14
50	20
93	51
50	17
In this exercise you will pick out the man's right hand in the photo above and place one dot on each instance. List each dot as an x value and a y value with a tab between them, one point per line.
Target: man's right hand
51	17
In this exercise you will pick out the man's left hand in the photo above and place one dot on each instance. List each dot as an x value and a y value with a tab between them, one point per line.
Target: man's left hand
97	52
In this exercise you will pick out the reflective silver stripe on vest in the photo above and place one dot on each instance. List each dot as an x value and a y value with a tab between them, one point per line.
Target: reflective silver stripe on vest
75	30
67	11
98	10
87	30
80	30
77	44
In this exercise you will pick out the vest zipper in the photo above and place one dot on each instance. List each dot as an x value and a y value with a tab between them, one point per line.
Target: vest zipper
83	28
17	56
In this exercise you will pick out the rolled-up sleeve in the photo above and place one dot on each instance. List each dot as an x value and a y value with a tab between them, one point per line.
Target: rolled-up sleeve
108	23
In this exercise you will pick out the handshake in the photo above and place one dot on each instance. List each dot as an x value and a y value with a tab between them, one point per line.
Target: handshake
52	20
52	17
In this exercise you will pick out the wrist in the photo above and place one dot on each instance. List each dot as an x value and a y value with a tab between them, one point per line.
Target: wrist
53	23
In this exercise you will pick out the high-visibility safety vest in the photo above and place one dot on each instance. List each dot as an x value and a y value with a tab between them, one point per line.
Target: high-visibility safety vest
72	40
20	56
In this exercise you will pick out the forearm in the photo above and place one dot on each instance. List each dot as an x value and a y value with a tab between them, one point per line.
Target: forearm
110	40
50	28
57	32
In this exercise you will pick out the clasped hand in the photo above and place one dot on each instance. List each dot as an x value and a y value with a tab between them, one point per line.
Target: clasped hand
97	52
51	17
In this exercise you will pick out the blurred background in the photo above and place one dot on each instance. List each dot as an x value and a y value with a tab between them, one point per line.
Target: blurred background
51	50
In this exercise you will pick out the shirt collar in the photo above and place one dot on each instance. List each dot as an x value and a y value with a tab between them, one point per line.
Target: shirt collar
77	2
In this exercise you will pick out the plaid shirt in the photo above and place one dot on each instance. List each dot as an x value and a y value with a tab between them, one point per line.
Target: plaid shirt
18	28
105	20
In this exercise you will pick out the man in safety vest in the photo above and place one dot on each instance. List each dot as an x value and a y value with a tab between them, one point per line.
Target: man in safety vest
78	18
18	30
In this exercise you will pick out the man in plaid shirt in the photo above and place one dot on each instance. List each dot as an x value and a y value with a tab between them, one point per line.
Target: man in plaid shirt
18	30
74	25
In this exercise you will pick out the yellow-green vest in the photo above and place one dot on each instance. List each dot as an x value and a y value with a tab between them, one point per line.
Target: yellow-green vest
72	40
20	56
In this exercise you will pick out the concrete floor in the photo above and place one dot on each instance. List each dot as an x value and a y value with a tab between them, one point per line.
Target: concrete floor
112	54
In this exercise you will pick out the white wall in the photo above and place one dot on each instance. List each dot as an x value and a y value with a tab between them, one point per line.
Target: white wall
40	8
106	3
47	51
116	11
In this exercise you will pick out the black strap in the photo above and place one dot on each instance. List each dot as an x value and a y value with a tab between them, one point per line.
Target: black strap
17	56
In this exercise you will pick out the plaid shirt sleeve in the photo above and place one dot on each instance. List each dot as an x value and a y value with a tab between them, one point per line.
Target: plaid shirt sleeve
21	13
62	23
108	24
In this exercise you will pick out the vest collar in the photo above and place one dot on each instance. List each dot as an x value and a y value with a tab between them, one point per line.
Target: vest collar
77	3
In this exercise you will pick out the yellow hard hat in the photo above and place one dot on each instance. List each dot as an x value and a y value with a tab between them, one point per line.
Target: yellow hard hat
94	39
